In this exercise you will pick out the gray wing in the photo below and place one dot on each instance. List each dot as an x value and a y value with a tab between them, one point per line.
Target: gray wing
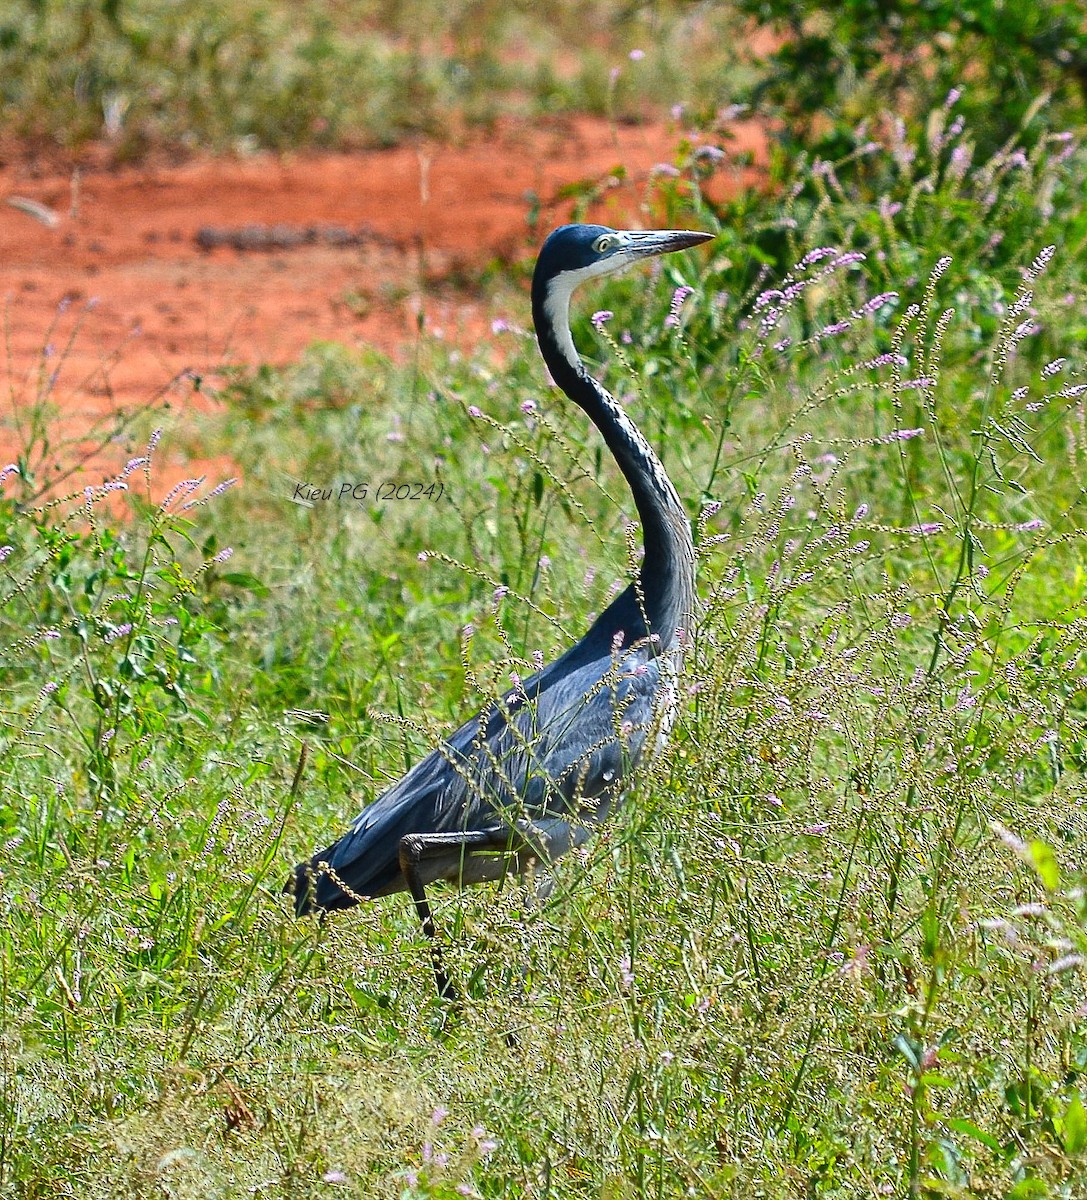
551	757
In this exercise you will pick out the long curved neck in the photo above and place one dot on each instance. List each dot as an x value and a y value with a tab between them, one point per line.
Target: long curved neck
667	573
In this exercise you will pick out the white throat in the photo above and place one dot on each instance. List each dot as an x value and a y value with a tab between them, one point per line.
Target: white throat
557	301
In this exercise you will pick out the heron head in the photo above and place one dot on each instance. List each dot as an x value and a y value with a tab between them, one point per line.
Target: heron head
575	253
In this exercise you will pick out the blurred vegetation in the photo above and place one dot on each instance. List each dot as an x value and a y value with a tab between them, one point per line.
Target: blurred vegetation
837	63
254	74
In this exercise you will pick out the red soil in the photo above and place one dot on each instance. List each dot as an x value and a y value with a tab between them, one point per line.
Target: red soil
147	303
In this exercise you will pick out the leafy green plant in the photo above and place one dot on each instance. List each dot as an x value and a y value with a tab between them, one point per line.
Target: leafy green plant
833	63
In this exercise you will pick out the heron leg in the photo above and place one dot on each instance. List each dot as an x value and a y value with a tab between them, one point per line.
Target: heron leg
415	850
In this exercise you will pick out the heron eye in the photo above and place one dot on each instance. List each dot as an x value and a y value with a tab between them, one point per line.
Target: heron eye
604	243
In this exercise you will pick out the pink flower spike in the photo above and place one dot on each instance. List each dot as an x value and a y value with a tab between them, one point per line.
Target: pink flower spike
602	317
817	255
637	55
474	411
130	466
1051	368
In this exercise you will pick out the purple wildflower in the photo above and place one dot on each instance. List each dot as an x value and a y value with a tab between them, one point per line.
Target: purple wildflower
885	360
1030	526
678	297
1024	329
940	267
602	317
1041	262
636	55
474	411
1051	368
132	464
218	490
528	407
816	255
185	487
874	304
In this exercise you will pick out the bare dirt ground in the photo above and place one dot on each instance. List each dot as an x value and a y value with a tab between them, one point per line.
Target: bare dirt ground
123	280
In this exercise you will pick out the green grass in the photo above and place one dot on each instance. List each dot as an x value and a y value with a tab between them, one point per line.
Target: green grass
829	947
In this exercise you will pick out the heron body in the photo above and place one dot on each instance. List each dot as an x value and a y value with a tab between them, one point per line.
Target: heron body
529	777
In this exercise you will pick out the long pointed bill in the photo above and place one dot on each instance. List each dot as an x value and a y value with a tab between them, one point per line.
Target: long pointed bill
662	241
